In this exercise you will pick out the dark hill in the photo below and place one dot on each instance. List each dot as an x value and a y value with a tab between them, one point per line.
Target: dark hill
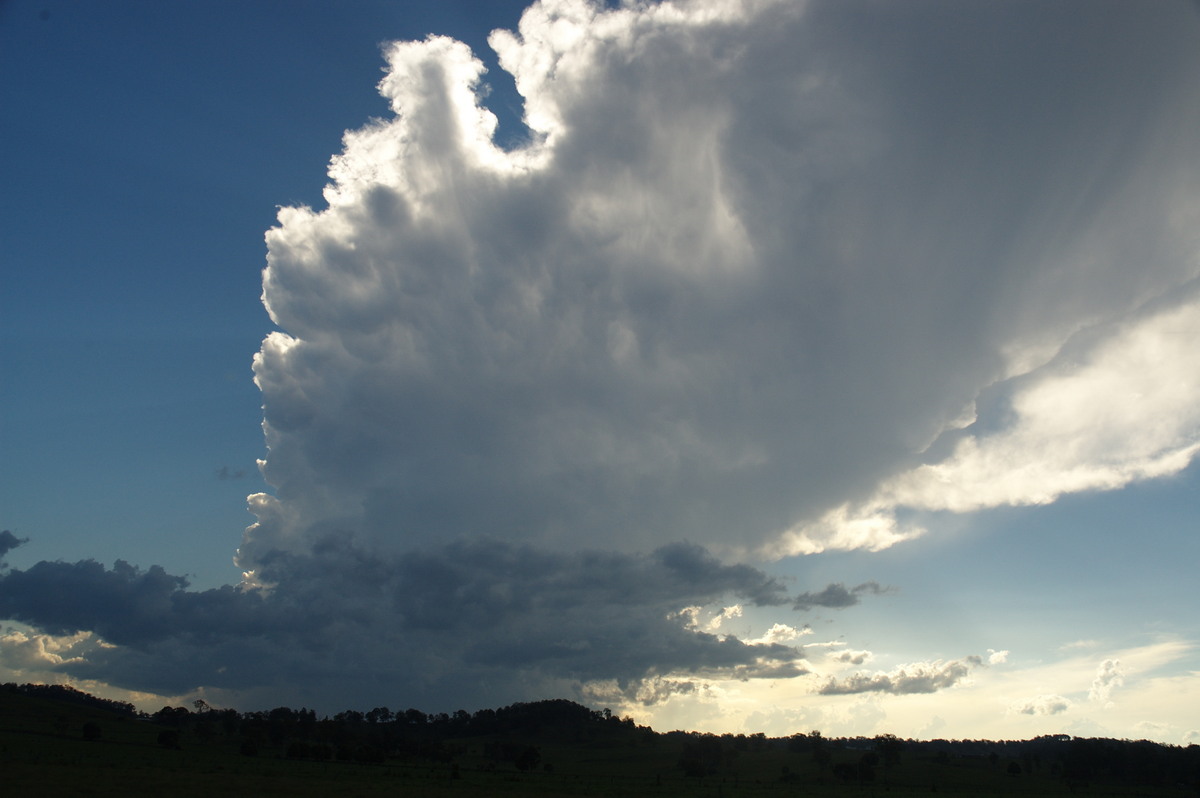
60	741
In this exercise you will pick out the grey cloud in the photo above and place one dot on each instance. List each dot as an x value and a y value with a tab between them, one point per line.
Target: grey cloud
656	691
9	541
464	622
918	678
837	596
750	266
852	657
688	563
127	605
130	604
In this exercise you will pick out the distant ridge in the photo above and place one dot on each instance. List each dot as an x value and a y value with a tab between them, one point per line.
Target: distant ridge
57	740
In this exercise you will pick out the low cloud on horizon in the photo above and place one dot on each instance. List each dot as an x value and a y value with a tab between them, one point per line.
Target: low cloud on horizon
460	623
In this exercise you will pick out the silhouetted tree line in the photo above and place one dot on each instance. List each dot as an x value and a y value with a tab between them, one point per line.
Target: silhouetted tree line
513	733
381	733
1078	761
69	695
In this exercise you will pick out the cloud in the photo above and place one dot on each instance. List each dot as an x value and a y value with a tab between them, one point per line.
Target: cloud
997	657
852	657
1109	676
752	261
124	604
1043	434
1043	705
646	693
510	619
1077	644
766	278
837	596
25	652
984	706
908	679
781	633
726	614
9	541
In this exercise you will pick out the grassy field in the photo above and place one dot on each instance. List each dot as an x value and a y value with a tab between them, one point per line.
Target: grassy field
43	751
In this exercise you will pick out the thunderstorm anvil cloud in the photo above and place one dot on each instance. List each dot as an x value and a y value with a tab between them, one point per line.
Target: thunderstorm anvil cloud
762	278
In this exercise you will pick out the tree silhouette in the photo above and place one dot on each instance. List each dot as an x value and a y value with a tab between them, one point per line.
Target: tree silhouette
889	747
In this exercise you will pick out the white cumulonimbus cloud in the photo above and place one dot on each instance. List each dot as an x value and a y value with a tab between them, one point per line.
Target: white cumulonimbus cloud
1117	404
749	264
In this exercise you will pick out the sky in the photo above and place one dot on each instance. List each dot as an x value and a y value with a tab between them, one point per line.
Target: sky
738	365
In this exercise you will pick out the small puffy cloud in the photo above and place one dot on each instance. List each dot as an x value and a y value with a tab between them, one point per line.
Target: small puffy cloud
852	657
646	693
781	633
9	541
1042	705
1109	676
837	596
997	657
908	679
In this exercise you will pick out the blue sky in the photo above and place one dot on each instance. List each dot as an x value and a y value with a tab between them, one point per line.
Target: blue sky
147	149
796	367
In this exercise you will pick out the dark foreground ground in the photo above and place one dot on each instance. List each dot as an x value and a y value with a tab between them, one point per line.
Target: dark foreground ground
52	747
